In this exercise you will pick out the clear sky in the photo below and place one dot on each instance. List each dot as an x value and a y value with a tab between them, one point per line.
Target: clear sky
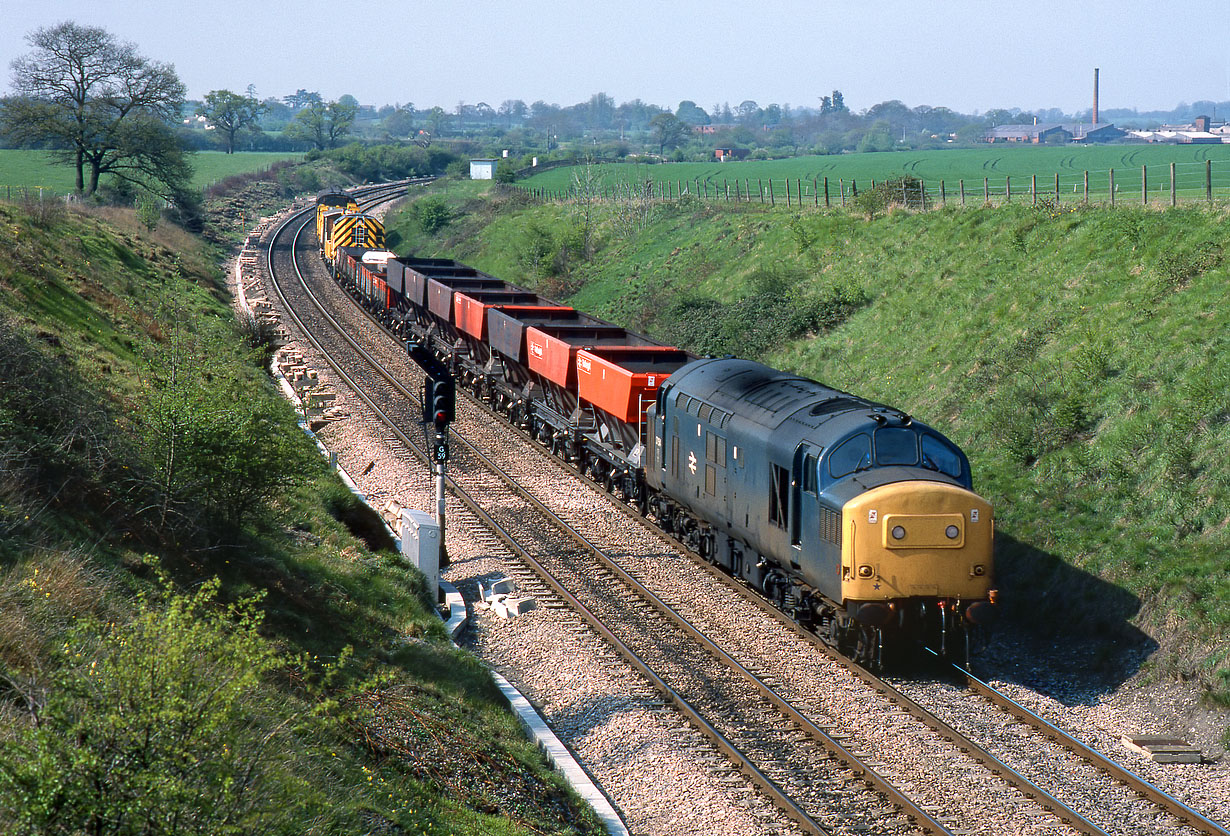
969	55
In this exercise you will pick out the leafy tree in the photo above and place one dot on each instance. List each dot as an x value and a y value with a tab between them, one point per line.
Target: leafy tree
229	113
512	109
322	124
400	122
99	105
302	98
748	112
668	131
692	113
437	120
601	109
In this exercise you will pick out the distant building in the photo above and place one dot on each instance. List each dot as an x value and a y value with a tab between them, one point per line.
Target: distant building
723	154
1201	131
1101	132
1032	134
1054	132
482	169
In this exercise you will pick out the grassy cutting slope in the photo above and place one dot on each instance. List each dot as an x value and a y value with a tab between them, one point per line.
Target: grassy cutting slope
1081	358
268	673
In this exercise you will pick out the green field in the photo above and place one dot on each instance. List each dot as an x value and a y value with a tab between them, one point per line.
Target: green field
34	169
952	166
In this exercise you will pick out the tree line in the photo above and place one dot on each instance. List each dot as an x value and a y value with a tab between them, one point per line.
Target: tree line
98	105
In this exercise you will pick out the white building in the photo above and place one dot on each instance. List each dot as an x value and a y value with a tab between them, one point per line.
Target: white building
482	169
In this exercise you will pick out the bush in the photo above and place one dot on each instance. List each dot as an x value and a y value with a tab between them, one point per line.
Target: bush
431	214
157	727
901	191
218	451
775	312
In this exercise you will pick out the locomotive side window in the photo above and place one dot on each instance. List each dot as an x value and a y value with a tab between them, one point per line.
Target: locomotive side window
939	456
851	455
809	474
895	445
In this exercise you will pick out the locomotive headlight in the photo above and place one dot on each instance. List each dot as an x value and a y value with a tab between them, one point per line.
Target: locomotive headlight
953	532
979	570
866	571
898	532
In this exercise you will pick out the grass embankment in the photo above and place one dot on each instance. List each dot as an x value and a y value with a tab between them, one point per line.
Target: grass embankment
191	639
973	165
1081	357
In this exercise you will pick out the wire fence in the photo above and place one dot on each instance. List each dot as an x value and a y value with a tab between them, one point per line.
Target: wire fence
25	194
1177	183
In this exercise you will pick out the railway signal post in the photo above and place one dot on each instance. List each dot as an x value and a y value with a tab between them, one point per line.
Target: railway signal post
439	409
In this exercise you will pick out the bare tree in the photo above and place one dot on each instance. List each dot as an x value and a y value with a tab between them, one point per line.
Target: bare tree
100	105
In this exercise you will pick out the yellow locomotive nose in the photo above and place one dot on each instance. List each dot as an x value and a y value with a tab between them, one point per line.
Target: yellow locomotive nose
917	539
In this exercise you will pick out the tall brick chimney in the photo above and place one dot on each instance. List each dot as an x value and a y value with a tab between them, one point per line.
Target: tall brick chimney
1095	95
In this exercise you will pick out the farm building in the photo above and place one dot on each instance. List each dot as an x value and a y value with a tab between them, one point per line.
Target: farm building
1034	134
1054	133
482	169
1201	131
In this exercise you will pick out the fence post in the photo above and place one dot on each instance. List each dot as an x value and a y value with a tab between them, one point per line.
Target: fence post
986	190
826	193
961	183
815	190
1086	187
943	197
842	183
854	187
1144	186
789	196
1112	187
1173	194
1033	188
1056	187
1208	180
772	198
1008	188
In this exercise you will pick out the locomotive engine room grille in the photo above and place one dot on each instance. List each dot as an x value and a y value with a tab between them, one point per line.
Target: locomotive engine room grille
830	525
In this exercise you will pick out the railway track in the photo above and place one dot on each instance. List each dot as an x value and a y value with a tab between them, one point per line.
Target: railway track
777	726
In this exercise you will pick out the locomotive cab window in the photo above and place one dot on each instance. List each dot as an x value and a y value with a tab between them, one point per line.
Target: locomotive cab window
809	474
851	455
896	445
938	455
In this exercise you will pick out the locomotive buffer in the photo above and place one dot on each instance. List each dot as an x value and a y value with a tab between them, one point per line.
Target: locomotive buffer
439	409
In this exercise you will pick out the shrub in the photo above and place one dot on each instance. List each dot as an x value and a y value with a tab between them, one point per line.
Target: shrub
775	312
432	214
157	727
901	191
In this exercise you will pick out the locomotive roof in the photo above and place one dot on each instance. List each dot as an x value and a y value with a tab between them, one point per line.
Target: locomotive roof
768	396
